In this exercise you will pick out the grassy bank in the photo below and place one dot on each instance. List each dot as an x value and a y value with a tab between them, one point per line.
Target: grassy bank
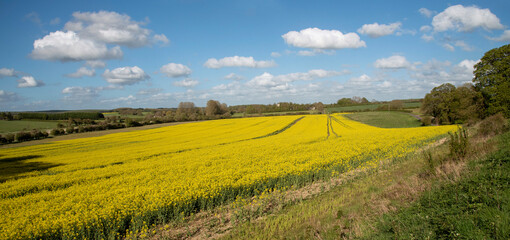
386	119
476	207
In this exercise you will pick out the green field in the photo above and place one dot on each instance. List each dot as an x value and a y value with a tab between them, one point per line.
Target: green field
25	125
386	119
369	107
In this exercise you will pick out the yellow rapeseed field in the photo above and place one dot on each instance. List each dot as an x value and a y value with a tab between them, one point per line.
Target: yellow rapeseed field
110	186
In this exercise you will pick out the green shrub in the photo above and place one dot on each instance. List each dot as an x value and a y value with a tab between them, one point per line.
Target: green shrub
459	144
426	121
493	125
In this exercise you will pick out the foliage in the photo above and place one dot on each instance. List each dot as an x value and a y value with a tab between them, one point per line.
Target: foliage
448	104
215	108
60	116
118	185
426	121
458	144
493	125
492	79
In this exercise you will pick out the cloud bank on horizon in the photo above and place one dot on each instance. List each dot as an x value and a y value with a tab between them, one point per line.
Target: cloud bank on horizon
102	59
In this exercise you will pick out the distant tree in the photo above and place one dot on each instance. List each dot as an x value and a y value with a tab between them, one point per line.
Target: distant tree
492	79
213	108
364	100
319	107
344	102
437	103
186	108
396	104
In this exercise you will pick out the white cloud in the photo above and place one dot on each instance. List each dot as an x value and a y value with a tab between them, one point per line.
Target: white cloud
323	39
376	30
505	37
449	47
425	28
267	80
276	54
83	71
468	65
237	61
150	91
125	75
7	72
80	94
465	19
426	12
385	84
68	46
464	46
314	52
109	27
393	62
95	64
363	80
161	38
187	82
29	81
8	96
175	70
427	38
233	76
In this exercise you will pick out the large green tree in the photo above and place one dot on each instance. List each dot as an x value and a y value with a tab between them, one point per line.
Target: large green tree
492	79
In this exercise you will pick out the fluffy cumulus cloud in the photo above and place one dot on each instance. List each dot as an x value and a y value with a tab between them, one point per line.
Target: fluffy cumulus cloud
8	97
7	72
237	61
109	27
29	81
376	30
323	39
433	73
81	72
187	83
125	75
393	62
88	36
505	37
69	46
175	70
280	82
465	19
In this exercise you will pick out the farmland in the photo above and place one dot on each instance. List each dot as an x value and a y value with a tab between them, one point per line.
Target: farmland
120	184
26	125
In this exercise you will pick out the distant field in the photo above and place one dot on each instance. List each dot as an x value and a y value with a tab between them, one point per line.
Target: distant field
369	107
386	119
25	125
111	114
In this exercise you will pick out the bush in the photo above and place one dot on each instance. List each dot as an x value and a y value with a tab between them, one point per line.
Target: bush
9	137
22	136
70	130
426	121
493	125
459	144
57	132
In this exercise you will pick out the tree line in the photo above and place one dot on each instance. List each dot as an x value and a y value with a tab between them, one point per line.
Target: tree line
487	95
53	116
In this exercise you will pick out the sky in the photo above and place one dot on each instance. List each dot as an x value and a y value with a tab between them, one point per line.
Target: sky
66	55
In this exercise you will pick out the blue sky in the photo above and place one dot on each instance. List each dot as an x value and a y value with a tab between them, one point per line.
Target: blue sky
109	54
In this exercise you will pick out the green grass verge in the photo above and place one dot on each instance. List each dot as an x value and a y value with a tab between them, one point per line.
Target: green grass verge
477	207
25	125
386	119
